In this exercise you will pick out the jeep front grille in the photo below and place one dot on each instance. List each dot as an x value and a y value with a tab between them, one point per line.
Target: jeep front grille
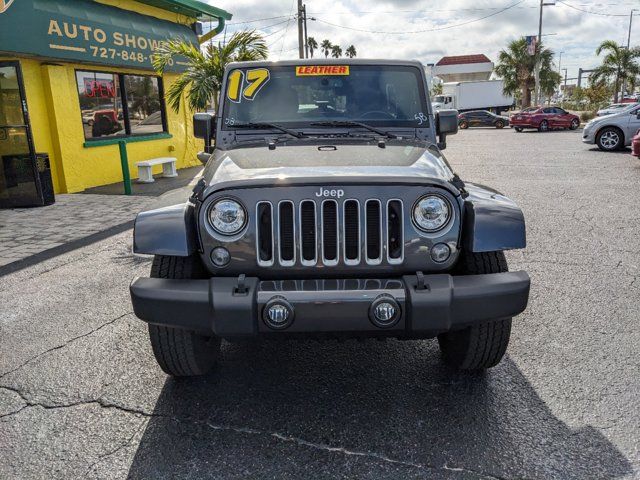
329	232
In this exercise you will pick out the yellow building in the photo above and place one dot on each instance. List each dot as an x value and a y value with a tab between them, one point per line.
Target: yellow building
76	79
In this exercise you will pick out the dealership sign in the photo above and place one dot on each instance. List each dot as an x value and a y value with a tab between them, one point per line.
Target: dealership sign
86	31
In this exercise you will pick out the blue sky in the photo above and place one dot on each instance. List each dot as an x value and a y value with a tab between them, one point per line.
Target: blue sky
576	32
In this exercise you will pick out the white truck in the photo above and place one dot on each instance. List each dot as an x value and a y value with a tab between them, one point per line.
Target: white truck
481	95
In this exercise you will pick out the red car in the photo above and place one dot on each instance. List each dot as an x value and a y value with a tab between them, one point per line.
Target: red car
543	119
635	145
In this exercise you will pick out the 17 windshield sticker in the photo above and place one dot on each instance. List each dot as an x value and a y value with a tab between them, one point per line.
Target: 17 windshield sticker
238	88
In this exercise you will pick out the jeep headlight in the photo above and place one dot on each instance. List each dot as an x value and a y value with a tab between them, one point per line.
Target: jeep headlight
431	213
227	216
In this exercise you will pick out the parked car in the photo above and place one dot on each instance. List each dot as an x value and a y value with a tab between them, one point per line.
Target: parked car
615	131
481	118
343	221
635	145
613	108
543	119
105	123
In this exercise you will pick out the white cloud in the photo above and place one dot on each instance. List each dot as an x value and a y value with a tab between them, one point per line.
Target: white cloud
577	34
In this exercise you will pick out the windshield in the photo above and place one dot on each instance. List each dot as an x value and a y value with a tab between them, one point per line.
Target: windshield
296	96
439	99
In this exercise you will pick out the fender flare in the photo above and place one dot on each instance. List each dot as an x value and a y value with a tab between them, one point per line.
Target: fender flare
166	230
492	222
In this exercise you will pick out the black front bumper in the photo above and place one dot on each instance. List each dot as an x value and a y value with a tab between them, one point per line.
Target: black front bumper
444	303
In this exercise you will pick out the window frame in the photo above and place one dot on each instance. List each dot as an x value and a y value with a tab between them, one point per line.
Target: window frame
125	105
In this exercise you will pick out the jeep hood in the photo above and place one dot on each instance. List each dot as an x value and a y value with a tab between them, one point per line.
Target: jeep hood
326	163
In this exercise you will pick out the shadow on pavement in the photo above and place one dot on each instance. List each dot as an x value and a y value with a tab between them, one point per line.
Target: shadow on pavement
287	410
158	187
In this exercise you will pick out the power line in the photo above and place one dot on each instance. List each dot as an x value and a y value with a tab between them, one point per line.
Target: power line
446	27
591	11
275	31
258	20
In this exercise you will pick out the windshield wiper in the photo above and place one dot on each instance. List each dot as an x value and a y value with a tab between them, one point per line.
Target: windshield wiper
349	123
263	125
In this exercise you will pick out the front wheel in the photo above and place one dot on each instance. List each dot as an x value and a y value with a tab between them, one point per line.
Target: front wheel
481	346
499	124
464	125
544	126
575	123
609	139
181	353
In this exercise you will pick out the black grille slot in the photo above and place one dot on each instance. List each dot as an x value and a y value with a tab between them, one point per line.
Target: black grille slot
308	230
265	232
351	230
286	232
394	229
373	230
330	230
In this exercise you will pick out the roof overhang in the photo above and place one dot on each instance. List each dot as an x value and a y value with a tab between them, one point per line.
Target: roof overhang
190	8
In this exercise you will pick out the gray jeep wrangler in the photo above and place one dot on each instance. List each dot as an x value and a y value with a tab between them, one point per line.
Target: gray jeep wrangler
326	209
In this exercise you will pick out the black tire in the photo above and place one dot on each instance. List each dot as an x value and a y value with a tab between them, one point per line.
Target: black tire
181	353
464	124
518	129
610	139
499	124
575	123
482	346
544	126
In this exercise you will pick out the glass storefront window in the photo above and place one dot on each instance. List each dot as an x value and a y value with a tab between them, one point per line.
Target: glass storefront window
105	114
100	104
143	100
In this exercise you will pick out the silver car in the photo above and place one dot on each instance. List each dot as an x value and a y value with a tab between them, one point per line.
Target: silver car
615	131
613	108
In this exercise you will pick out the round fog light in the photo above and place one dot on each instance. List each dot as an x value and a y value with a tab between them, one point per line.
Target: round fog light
384	311
278	313
440	252
220	257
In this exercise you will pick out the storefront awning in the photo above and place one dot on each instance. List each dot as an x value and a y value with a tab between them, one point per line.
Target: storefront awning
86	31
190	8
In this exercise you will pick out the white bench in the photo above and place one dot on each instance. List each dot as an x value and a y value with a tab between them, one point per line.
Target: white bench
145	175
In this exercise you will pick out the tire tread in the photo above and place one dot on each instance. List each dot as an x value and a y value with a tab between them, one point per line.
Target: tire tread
481	346
181	352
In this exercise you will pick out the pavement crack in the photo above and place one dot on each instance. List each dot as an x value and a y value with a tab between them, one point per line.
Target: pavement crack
356	453
55	406
65	344
114	451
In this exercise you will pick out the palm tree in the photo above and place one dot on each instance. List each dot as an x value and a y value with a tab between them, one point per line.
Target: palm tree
202	81
312	44
336	51
351	51
516	68
326	47
619	65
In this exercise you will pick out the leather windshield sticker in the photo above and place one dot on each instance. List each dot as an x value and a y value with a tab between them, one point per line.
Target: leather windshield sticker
321	70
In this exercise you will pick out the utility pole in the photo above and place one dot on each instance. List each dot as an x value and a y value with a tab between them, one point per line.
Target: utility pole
300	33
560	67
306	38
630	21
624	82
538	66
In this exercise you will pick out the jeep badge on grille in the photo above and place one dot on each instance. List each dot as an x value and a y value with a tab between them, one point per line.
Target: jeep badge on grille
325	192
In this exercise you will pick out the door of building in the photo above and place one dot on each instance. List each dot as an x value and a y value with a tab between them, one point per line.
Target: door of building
19	180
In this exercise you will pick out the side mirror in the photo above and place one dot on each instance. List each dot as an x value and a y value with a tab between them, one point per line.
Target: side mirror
446	124
204	126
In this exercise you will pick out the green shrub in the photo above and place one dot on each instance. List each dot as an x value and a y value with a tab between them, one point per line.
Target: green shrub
586	116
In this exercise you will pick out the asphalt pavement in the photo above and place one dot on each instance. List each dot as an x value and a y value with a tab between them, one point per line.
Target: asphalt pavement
81	395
